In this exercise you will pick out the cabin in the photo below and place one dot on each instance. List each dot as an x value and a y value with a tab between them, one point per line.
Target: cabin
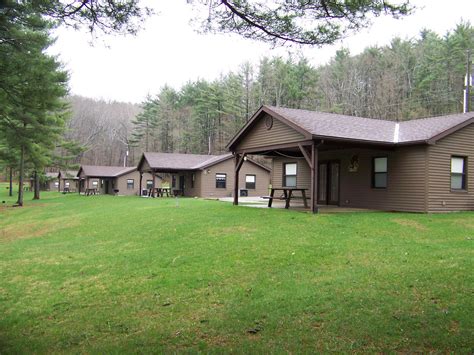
113	180
48	182
51	182
210	176
67	181
422	165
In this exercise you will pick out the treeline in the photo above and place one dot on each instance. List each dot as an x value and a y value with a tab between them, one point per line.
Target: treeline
102	128
407	79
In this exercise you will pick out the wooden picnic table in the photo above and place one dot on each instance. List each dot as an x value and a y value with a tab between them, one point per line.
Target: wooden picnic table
91	191
159	191
287	195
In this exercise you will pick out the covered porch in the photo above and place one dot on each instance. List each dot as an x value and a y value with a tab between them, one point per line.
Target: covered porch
325	171
323	174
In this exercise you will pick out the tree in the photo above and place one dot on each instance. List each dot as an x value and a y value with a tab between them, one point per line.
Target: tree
32	84
302	22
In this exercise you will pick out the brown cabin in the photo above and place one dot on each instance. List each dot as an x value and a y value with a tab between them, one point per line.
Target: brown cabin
113	180
48	183
422	165
67	181
197	175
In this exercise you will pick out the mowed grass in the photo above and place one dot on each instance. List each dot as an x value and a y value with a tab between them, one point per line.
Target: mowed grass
105	274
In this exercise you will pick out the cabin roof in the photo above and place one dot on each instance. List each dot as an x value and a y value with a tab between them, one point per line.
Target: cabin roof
67	174
180	161
104	171
315	124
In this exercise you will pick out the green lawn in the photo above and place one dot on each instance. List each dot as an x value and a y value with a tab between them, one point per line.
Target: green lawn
107	274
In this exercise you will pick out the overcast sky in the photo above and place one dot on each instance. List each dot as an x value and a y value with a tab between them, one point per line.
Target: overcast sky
169	51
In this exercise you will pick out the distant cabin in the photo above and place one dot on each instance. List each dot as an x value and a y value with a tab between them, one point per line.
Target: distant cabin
195	175
112	180
422	165
67	180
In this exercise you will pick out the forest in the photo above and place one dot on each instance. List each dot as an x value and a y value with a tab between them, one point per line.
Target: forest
410	78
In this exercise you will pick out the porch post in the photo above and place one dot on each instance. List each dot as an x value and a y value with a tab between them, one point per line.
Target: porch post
314	178
236	179
239	160
140	186
153	184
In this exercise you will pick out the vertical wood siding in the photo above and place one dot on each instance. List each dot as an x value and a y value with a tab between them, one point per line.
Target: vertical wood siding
440	197
405	188
259	135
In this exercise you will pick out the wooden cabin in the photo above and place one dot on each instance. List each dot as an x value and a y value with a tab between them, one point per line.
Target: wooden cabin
197	175
113	180
422	165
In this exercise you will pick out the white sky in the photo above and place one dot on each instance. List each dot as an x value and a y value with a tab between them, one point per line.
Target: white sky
169	51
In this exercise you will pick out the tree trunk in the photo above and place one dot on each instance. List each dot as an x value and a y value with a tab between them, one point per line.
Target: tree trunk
10	190
20	177
37	187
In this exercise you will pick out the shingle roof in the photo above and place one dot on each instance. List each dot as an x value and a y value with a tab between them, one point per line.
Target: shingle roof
369	129
428	128
179	161
50	175
330	125
68	174
340	126
105	171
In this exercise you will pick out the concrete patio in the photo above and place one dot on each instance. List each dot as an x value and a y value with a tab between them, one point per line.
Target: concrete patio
259	202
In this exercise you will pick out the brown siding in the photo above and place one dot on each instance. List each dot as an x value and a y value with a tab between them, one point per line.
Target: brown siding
208	179
73	184
120	183
440	197
303	178
406	170
260	136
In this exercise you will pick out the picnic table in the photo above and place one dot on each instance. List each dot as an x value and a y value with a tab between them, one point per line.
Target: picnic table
159	192
287	195
91	191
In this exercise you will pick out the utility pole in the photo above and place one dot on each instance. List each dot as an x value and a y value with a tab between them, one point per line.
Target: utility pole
467	83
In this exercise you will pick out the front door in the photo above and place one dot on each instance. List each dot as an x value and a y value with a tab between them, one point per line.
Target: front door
328	183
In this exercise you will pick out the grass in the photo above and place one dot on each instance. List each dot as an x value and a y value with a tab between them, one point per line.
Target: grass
105	274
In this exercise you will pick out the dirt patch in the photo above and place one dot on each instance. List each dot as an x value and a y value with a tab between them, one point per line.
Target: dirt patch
33	229
468	223
411	223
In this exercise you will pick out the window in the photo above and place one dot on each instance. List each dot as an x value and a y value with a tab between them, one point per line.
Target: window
193	179
149	184
221	181
173	181
250	181
130	184
379	172
66	184
289	174
95	183
56	183
458	173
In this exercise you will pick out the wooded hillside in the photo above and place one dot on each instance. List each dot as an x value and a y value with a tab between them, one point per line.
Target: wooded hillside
410	78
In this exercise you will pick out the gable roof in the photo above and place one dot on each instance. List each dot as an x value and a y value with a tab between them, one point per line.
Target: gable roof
105	171
179	161
67	174
329	125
